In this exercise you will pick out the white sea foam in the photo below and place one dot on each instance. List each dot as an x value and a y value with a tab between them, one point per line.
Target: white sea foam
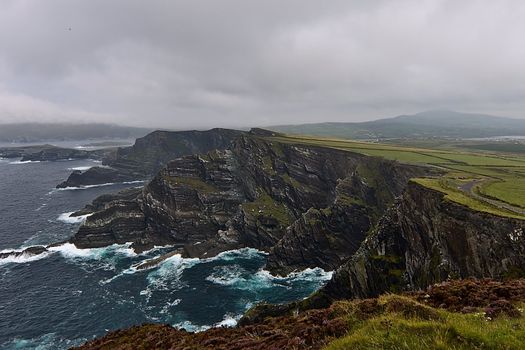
168	273
98	185
227	275
238	278
190	327
81	168
69	250
128	271
166	308
229	320
21	259
66	218
309	274
24	162
243	253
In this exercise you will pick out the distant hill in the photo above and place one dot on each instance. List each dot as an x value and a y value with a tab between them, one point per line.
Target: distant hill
440	123
43	132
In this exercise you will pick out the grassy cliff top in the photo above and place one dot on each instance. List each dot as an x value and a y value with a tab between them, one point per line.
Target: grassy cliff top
491	182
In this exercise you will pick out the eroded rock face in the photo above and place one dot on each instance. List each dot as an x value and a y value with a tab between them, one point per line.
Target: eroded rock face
150	153
425	239
338	230
312	205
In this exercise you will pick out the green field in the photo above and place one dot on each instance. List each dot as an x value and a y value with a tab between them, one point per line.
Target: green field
498	178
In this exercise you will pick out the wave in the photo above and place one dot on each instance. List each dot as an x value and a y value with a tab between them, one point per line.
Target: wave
190	327
69	250
228	321
24	162
168	273
66	218
85	187
81	168
14	257
243	253
236	277
106	258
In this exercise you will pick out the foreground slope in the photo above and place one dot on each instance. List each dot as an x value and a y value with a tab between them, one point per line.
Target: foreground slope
466	314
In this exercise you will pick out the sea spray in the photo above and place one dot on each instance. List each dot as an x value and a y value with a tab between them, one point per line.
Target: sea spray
68	219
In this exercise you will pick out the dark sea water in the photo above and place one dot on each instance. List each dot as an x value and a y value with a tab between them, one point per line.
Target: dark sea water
70	295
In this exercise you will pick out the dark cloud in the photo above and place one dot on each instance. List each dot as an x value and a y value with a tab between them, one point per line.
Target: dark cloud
230	63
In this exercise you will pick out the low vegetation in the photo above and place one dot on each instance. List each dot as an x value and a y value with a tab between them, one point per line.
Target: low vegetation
463	314
265	207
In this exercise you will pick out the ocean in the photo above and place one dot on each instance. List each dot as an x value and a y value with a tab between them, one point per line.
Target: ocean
67	296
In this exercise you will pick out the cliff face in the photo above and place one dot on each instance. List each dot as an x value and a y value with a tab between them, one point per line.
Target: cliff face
150	153
307	206
425	239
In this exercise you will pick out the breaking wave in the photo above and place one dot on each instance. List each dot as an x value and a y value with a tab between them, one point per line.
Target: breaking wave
229	320
167	275
69	250
68	219
237	277
76	188
14	257
24	162
81	168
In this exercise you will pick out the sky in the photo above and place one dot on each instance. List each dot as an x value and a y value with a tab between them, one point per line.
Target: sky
238	63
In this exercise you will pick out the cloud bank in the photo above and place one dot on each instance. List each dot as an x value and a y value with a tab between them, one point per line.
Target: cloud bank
232	63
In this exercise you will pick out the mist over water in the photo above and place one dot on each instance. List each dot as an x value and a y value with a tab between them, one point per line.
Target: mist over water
66	296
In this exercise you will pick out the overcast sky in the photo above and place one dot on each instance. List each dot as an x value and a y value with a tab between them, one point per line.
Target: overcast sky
199	64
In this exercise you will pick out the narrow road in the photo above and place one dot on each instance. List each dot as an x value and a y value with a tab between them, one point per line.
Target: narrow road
468	188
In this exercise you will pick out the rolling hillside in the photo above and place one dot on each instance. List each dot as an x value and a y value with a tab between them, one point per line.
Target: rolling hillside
442	124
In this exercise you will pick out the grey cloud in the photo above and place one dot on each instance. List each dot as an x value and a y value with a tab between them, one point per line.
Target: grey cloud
184	64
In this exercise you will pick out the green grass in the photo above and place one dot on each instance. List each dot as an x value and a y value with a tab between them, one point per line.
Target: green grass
192	182
507	147
460	197
405	324
512	191
455	331
265	206
408	154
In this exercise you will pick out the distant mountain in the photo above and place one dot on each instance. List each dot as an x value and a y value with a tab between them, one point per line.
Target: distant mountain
43	132
439	123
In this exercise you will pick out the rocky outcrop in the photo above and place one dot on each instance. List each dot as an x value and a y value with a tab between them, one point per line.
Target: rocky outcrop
43	153
95	176
26	252
150	153
312	205
105	200
339	229
424	239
